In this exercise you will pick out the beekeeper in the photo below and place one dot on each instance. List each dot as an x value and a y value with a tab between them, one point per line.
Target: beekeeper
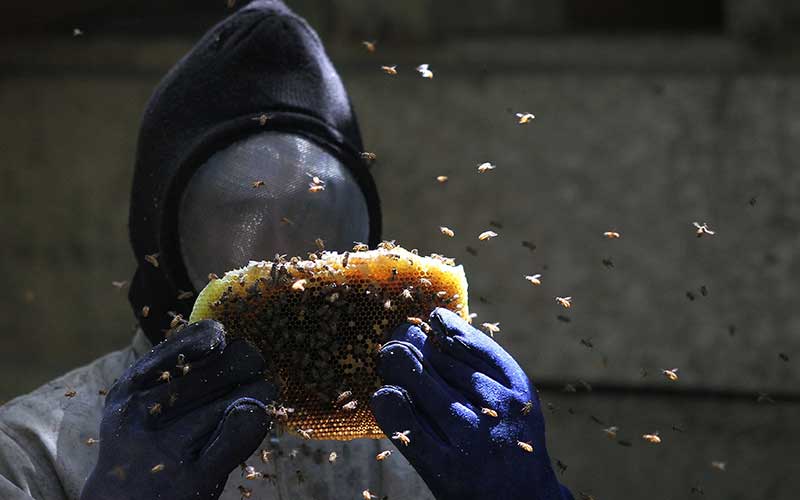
228	145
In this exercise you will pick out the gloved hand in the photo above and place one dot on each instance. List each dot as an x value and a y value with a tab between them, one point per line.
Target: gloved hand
437	387
178	436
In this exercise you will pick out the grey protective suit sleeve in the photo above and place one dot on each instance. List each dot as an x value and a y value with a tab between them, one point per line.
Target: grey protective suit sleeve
44	453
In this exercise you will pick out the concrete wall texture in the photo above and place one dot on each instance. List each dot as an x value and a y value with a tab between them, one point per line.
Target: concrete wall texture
642	135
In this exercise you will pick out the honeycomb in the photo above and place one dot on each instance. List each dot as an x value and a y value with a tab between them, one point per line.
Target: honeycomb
320	323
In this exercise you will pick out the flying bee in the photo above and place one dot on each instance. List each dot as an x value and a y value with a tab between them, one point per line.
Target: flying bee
320	244
525	446
299	285
245	492
152	259
526	408
424	71
306	433
447	231
671	375
587	343
414	321
360	247
611	235
332	457
343	397
91	441
565	301
702	229
489	411
145	311
487	235
77	32
611	432
492	328
366	155
535	279
183	295
387	245
441	179
177	320
653	438
257	184
70	393
389	70
315	188
157	468
425	281
262	120
266	456
165	376
366	495
350	406
119	285
406	294
370	46
387	304
286	220
402	437
441	294
250	473
524	118
485	167
154	409
383	455
102	392
719	465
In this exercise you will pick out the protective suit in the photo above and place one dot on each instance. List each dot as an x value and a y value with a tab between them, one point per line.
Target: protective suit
229	143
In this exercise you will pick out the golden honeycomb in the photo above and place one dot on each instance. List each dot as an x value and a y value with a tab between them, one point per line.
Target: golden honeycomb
320	322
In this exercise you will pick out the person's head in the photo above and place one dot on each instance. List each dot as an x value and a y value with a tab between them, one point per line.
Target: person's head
230	144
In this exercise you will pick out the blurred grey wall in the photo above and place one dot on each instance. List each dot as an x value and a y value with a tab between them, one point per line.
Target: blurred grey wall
648	117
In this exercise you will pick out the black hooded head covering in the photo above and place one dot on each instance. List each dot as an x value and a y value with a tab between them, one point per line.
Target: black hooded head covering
262	61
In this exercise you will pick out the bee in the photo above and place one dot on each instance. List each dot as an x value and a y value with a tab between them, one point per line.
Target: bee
250	473
306	433
611	432
245	492
157	468
702	229
784	357
608	263
719	465
402	437
611	235
119	285
525	446
671	375
266	456
366	155
387	304
406	294
587	343
370	46
414	321
565	301
343	397
387	245
320	244
154	409
425	281
529	245
424	71
177	319
257	184
299	285
91	441
489	411
389	70
286	220
360	247
183	295
586	496
492	328
704	290
441	179
173	398
293	453
262	120
71	393
653	438
535	279
332	457
366	495
524	118
152	259
102	392
485	167
447	231
77	32
383	455
441	294
350	406
315	188
570	388
487	235
526	408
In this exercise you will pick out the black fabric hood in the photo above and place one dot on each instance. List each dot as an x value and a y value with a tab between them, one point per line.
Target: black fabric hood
261	62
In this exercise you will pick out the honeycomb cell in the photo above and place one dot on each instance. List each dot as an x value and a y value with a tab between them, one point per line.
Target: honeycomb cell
322	339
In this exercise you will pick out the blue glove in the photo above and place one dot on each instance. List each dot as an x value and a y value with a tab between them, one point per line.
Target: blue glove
438	386
178	436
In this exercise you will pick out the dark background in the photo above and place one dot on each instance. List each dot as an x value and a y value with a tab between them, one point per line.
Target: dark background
650	115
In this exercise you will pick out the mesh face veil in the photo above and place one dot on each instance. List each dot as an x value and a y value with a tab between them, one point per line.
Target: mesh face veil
251	201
